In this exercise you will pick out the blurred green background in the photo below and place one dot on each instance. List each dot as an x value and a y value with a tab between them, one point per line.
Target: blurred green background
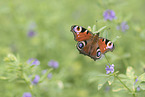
51	21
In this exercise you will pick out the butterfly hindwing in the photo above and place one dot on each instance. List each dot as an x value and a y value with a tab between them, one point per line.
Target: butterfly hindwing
89	49
84	47
105	45
95	52
80	33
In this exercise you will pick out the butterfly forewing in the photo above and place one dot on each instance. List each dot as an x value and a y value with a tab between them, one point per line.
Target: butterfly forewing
80	33
105	45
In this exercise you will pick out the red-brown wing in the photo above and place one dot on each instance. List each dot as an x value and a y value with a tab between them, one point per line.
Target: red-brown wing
80	33
84	47
89	49
95	52
105	45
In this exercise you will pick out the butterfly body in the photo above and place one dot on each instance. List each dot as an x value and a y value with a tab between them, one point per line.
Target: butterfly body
91	44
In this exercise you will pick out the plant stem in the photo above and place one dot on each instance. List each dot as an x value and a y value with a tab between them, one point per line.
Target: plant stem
28	84
125	86
107	59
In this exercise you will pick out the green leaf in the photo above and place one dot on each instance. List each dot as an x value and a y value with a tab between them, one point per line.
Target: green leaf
102	28
102	81
129	83
142	77
32	66
10	58
94	79
116	72
95	76
25	77
122	76
94	28
142	85
110	80
117	87
129	80
130	72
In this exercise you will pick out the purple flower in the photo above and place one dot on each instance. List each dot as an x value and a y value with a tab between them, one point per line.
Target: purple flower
44	71
109	69
109	15
33	61
138	88
123	27
53	64
49	76
107	88
135	81
31	33
27	94
36	79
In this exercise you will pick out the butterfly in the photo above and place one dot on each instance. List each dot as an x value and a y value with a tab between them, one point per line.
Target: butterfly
91	44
